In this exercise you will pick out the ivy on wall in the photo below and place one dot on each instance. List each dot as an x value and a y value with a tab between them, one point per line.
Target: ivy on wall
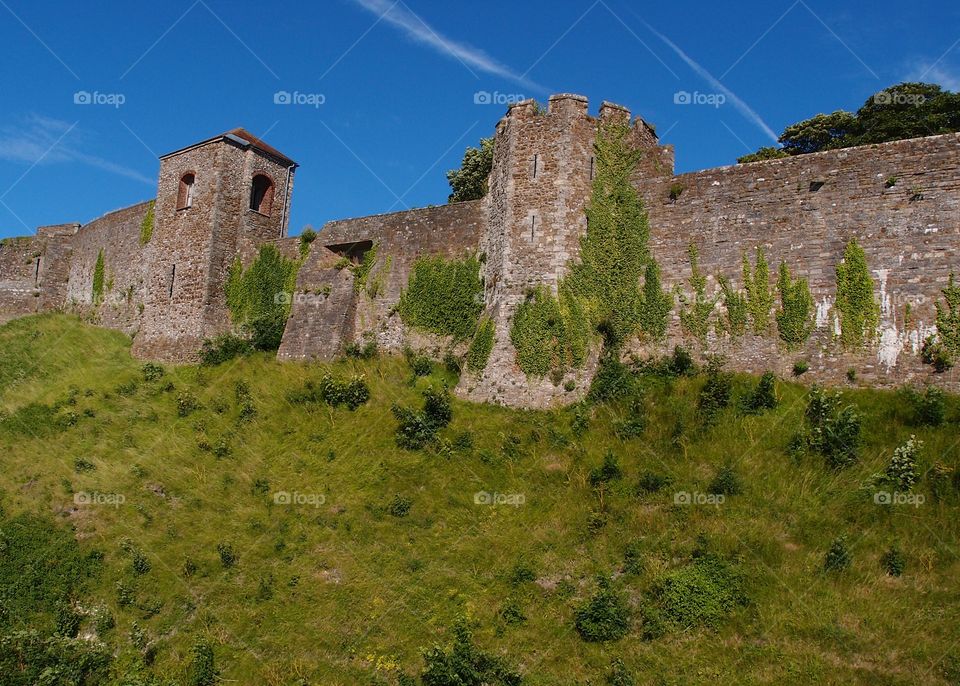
613	250
734	322
99	279
695	314
481	346
948	317
361	272
657	304
307	237
857	309
760	297
546	338
795	316
146	224
443	296
259	298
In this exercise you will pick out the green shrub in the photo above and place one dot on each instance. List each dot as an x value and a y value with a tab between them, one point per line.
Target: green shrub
416	429
511	613
152	372
307	237
633	559
652	482
364	351
224	348
701	593
202	670
838	557
635	423
228	558
521	573
399	506
619	675
935	353
716	392
726	482
832	431
30	658
893	561
857	309
929	408
609	471
140	564
605	616
800	368
352	392
465	664
481	346
443	296
420	365
187	404
795	316
763	397
902	471
613	380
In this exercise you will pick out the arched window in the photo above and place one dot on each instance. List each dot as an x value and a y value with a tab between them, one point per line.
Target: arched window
185	193
261	194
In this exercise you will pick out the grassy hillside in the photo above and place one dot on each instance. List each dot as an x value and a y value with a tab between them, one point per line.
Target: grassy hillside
184	548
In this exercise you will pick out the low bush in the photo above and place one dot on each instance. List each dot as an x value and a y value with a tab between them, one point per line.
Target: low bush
763	397
609	471
228	557
605	616
619	675
716	392
893	561
224	348
726	482
202	670
416	429
399	506
352	392
838	557
465	664
652	482
831	430
701	593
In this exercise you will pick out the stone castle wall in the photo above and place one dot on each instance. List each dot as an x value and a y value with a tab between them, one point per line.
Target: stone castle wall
901	200
117	235
912	244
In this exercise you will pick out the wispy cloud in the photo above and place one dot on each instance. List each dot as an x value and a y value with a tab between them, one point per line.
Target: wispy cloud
397	14
741	106
40	140
936	73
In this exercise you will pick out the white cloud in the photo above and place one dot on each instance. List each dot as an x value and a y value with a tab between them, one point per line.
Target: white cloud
741	106
42	140
398	15
936	73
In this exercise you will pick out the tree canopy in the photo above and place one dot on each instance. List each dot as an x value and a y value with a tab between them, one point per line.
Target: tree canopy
469	182
906	110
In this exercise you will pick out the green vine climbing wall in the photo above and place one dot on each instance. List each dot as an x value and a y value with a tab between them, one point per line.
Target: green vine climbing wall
857	309
443	296
795	316
760	297
259	298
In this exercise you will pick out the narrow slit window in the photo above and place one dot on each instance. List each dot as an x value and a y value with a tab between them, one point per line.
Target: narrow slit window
533	225
173	278
536	161
36	273
592	163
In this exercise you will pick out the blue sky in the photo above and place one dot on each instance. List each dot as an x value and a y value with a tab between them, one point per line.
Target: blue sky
387	89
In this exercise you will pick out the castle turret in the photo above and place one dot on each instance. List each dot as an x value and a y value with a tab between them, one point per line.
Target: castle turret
216	199
539	190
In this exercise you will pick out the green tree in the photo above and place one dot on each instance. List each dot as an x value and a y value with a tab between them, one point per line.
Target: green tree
822	132
760	299
469	182
907	110
858	311
765	153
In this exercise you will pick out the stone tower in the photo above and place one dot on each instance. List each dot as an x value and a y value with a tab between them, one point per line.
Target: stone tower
217	199
539	189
